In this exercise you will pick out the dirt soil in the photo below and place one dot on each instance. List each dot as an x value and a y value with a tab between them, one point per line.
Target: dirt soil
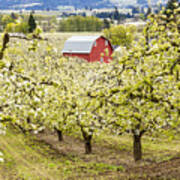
74	147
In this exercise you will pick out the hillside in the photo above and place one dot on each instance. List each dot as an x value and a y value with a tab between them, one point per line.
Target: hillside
52	4
55	4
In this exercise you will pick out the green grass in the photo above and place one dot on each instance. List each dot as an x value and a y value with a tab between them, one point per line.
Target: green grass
28	158
23	161
154	149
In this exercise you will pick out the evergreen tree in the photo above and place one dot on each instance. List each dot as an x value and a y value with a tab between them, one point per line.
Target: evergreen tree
106	24
172	4
116	13
31	23
149	11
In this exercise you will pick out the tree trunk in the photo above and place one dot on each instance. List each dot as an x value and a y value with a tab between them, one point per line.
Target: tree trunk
60	135
137	148
88	147
6	39
87	141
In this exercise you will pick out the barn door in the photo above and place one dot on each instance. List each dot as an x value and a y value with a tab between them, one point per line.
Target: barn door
102	59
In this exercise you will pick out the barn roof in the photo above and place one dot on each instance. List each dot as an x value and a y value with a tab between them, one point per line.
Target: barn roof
79	44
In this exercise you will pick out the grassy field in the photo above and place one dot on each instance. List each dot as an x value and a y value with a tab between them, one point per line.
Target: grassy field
43	157
58	39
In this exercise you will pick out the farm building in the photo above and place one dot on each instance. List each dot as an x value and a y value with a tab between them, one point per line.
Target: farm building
91	48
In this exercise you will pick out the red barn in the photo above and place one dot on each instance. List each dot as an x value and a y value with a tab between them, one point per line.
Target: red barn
91	48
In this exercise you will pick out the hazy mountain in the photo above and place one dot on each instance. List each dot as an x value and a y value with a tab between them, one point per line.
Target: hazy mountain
54	4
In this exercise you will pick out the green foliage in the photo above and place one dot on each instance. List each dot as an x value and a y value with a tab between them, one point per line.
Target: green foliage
106	24
20	27
79	23
148	98
120	35
6	19
172	4
38	31
104	167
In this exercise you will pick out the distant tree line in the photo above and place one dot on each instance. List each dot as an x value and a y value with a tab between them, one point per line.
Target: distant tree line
111	15
64	14
114	15
79	23
46	22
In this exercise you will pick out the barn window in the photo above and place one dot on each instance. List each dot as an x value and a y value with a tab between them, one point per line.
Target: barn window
106	43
